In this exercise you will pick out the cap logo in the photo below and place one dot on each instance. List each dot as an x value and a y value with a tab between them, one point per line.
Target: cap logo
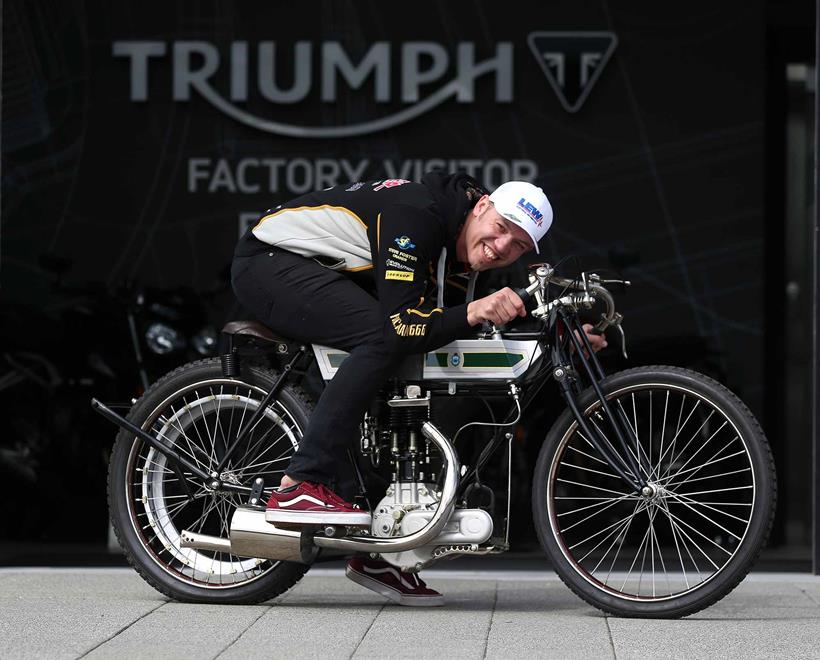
536	215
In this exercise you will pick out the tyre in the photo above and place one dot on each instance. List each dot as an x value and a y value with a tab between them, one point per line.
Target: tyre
694	535
199	411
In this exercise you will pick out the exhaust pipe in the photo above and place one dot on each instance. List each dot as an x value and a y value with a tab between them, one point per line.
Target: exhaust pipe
253	536
203	542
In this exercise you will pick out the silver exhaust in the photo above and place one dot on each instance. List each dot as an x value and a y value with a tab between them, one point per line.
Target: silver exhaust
204	542
253	536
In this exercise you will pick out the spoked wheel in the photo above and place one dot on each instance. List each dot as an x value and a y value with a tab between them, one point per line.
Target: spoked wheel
694	532
199	412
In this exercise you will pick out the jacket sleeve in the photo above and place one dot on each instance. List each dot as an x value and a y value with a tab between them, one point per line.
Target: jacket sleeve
407	241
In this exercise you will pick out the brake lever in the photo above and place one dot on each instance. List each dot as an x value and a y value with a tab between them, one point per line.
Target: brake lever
623	341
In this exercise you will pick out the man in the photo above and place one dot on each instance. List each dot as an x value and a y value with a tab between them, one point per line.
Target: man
351	267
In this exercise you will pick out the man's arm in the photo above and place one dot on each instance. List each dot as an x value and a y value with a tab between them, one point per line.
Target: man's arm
407	239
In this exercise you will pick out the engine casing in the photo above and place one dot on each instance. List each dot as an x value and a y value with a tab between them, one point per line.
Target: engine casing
409	506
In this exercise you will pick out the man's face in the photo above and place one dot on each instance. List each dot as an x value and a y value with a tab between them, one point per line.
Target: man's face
488	240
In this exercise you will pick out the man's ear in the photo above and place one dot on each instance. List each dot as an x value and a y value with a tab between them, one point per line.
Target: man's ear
481	205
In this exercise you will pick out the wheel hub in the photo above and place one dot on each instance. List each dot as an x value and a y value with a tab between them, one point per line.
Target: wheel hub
653	491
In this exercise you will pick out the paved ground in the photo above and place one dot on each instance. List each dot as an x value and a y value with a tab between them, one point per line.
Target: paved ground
112	613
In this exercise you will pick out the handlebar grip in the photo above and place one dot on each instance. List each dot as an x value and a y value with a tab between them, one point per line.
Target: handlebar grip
524	295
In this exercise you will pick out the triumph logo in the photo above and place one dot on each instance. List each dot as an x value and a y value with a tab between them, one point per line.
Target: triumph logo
197	63
572	62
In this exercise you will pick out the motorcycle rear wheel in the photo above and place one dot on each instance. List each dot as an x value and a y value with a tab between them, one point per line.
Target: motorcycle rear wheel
199	411
685	545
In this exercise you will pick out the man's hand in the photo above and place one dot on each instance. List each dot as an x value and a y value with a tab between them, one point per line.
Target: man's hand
597	342
499	307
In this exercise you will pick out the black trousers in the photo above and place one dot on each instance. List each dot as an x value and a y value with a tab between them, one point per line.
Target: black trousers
302	300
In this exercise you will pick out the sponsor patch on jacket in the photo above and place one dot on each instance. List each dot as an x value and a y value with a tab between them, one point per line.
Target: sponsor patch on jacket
402	256
355	186
392	263
404	276
388	183
404	242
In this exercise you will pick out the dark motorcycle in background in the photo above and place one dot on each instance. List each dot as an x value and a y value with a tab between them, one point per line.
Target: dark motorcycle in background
87	338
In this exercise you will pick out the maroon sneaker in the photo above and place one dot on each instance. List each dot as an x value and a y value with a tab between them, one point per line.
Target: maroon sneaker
400	587
313	504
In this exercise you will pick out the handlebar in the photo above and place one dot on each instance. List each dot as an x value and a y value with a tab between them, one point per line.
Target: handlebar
581	292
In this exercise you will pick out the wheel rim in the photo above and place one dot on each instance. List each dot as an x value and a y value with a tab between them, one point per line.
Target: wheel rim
680	535
197	421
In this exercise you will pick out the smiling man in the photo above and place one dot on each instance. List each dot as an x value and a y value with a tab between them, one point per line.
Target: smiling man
352	267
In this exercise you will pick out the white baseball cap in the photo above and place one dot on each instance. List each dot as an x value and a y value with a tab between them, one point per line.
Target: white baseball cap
526	205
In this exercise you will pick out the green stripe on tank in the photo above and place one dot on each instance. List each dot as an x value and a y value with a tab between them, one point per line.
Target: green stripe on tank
492	359
436	360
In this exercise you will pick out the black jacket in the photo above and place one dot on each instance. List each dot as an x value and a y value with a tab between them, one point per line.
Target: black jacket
393	230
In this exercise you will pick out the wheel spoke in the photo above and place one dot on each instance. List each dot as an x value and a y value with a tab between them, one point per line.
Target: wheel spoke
715	509
591	515
576	483
589	506
677	546
711	461
592	536
580	467
703	515
620	534
711	476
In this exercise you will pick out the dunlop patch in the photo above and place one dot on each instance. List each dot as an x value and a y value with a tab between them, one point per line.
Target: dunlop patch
398	275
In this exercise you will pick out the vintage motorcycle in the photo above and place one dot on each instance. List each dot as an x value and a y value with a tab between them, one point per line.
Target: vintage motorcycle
653	493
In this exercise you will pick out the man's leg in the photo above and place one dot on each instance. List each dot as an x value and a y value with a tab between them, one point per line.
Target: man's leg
300	299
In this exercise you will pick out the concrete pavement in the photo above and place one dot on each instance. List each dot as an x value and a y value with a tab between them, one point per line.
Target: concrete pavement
112	613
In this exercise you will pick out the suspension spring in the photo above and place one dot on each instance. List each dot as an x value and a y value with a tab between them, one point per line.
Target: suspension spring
230	364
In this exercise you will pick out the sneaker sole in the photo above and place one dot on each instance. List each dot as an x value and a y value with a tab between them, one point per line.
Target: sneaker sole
318	518
389	592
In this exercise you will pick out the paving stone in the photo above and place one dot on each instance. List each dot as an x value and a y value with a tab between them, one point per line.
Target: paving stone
546	620
457	630
183	631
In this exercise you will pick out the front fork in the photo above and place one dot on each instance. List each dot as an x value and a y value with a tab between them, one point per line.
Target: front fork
626	463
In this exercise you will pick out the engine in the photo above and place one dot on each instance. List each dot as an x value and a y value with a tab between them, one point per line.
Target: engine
393	439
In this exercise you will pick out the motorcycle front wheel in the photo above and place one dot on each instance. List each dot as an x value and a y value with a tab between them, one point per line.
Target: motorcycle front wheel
199	411
697	530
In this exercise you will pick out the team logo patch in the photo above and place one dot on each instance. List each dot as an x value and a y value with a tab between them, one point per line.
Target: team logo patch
455	359
405	243
400	275
355	186
536	215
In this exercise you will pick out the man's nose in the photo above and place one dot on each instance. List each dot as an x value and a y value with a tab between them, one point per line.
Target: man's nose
502	244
